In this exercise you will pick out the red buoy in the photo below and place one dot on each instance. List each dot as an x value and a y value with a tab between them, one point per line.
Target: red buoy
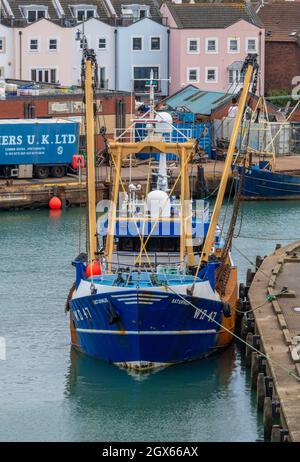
76	160
55	203
95	268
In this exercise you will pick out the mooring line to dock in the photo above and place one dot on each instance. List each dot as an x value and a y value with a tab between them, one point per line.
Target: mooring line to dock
270	238
251	262
289	371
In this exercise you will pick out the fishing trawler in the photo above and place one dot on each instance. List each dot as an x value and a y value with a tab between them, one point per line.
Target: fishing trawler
261	181
166	292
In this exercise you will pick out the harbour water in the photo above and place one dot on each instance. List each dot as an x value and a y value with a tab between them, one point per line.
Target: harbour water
51	393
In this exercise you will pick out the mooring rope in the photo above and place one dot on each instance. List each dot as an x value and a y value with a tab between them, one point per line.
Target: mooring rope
267	357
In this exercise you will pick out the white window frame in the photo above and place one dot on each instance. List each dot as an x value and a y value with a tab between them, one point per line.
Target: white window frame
26	8
102	37
147	11
256	44
38	44
188	69
83	7
57	44
3	41
44	68
211	68
142	48
207	51
238	45
150	42
189	40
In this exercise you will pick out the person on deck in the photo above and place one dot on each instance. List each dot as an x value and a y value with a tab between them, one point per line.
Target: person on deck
232	111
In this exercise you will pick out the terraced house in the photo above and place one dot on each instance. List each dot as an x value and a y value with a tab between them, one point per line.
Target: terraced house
201	43
129	39
209	42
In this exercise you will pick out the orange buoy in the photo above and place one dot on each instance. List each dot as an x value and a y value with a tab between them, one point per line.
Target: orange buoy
95	268
55	203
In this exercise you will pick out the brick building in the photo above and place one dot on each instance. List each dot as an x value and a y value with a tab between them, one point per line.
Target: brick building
282	48
113	108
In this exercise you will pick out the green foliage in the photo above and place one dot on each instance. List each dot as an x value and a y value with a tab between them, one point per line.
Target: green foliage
279	97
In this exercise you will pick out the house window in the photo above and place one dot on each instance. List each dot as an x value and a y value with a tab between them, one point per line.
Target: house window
233	45
235	76
43	75
33	45
83	42
140	76
193	46
211	75
2	44
211	45
143	14
83	13
155	43
193	75
34	15
52	44
137	43
102	78
251	45
102	43
2	73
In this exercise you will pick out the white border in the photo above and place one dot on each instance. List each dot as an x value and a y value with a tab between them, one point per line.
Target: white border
188	69
232	52
39	44
211	68
160	43
137	36
57	44
189	52
256	44
44	68
217	46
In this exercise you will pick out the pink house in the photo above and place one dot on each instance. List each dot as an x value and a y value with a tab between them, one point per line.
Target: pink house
209	42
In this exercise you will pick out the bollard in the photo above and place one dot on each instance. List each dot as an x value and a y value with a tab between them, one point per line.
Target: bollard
275	434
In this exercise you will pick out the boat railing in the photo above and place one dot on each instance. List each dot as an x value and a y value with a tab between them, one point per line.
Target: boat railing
143	131
126	275
139	209
152	262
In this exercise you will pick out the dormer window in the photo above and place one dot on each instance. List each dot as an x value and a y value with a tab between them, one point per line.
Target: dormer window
136	11
34	12
84	12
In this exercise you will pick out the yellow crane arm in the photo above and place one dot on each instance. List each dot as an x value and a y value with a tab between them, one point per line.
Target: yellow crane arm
227	167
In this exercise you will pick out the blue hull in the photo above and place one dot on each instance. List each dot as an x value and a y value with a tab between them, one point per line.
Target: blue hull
144	329
265	184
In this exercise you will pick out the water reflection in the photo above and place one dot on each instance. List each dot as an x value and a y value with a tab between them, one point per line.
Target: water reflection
198	401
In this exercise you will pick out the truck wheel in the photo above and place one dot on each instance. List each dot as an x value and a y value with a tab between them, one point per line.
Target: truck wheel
41	172
58	171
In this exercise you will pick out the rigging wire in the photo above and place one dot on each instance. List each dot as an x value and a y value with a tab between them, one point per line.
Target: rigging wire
240	339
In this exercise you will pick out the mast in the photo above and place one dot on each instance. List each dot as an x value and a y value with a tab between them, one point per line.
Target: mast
89	62
250	65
